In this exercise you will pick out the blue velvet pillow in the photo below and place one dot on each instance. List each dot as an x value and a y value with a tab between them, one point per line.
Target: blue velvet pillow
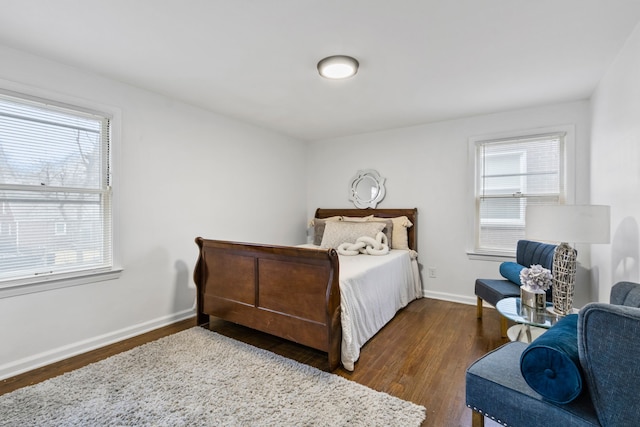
511	271
550	364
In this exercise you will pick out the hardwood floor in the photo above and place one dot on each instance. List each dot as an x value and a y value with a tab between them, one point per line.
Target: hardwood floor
420	356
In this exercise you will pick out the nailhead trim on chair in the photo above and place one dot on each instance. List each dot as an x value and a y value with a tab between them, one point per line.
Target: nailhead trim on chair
487	415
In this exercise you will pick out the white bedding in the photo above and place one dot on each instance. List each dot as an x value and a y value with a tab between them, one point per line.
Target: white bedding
372	290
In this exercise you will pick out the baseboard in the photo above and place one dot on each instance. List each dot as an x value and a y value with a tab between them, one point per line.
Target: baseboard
462	299
48	357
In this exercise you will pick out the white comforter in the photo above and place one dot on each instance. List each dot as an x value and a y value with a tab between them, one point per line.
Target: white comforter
372	290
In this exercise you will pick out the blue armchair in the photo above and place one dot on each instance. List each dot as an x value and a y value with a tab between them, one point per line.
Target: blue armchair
528	253
608	346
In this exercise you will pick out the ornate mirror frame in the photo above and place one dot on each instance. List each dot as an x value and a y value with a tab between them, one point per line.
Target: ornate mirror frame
366	189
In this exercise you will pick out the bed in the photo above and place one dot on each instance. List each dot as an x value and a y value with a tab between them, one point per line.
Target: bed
310	294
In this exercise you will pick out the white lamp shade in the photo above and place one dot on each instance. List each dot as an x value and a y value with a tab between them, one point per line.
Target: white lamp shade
568	223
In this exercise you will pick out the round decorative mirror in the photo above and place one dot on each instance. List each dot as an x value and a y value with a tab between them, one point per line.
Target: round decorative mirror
366	189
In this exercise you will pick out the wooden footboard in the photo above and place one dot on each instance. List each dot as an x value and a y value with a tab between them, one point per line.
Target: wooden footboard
289	292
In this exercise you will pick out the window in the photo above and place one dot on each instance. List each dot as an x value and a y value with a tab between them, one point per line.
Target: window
55	191
511	173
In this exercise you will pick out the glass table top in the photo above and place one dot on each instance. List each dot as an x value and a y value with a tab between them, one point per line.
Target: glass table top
512	309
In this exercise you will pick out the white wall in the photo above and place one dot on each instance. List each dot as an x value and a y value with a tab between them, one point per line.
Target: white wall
426	167
615	167
181	172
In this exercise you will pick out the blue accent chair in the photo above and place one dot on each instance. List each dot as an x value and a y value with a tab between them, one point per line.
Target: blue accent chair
608	348
528	253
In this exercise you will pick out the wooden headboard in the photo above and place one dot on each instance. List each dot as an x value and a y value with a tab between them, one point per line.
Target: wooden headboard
412	214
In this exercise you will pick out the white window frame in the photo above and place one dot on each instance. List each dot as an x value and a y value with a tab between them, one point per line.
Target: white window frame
568	169
11	288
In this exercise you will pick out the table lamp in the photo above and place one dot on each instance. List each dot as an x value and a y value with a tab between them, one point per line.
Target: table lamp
567	223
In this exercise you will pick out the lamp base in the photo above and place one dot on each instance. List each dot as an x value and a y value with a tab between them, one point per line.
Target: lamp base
564	276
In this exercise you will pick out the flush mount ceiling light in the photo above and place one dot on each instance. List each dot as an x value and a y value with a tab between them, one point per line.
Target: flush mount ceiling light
338	67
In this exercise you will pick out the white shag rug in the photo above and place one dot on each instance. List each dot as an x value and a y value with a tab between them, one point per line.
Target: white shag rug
200	378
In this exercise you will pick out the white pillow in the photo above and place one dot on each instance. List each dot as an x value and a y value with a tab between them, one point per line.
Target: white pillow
318	227
336	233
400	237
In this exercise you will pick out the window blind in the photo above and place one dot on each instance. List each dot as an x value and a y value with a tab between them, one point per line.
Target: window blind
55	194
511	174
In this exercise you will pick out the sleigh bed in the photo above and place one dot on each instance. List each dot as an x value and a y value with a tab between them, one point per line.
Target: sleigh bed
309	294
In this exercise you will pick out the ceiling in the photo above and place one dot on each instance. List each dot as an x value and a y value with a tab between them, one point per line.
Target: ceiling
255	60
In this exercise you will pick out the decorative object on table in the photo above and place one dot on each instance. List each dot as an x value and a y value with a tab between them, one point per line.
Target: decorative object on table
366	189
535	300
535	282
567	223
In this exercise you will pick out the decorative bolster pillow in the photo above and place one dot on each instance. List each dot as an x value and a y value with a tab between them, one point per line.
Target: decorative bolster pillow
550	364
511	271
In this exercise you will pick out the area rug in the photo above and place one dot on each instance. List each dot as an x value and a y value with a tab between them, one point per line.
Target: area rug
200	378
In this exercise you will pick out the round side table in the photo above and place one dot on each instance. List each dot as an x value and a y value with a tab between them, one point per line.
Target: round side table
531	323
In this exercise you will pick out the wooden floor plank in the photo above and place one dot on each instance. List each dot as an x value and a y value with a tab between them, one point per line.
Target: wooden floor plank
420	356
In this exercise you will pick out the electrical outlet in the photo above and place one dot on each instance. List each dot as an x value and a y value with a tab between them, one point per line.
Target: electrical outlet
432	272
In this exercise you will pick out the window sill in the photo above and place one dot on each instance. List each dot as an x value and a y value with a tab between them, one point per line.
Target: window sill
491	256
57	282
